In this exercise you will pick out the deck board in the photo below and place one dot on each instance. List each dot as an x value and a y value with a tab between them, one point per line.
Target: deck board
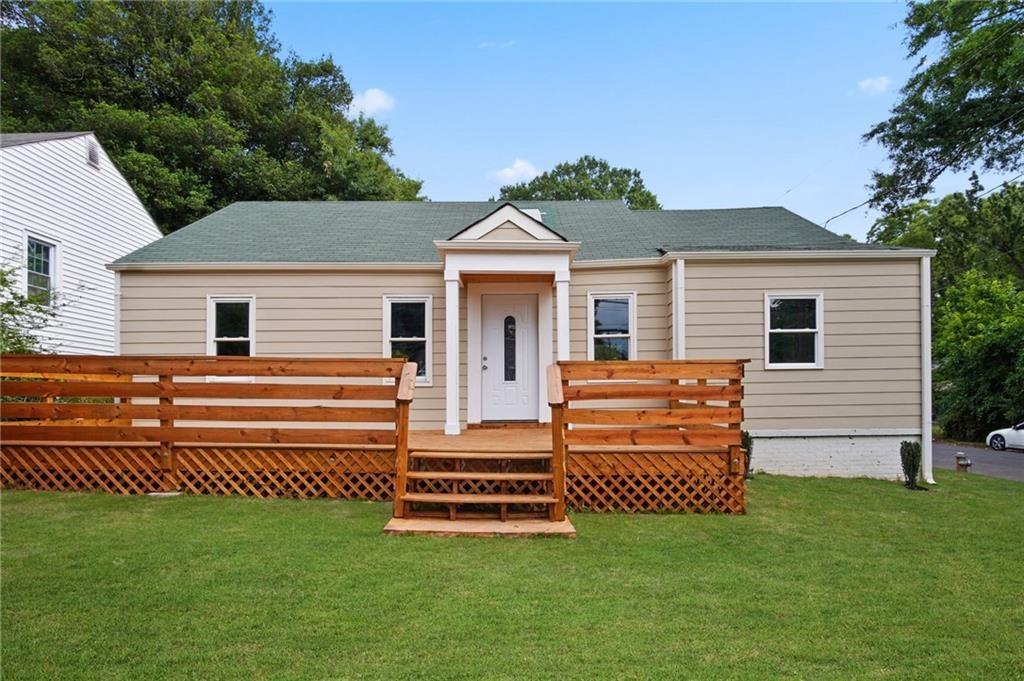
510	439
480	528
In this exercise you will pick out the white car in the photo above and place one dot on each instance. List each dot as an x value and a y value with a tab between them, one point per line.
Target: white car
1007	437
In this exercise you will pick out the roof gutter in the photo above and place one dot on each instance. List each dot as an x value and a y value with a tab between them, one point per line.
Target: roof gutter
839	254
499	246
239	266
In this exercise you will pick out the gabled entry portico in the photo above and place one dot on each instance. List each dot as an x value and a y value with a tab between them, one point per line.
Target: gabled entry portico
508	261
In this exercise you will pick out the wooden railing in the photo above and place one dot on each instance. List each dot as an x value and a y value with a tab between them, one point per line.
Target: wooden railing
662	410
175	402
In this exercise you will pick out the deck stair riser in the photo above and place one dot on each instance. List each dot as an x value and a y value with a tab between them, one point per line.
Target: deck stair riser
501	482
473	475
483	455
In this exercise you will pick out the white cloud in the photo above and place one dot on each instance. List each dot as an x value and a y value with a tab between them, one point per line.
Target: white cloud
496	44
874	86
519	171
372	101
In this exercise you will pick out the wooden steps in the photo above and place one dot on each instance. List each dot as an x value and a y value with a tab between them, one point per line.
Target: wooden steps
483	455
446	498
504	484
471	475
480	528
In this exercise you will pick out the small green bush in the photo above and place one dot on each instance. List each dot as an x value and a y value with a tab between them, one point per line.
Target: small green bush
910	457
747	442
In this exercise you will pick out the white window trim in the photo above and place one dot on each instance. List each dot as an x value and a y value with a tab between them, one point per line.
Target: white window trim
633	335
211	330
819	316
428	318
55	254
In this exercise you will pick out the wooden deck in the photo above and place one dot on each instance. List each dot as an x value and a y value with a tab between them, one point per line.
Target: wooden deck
486	439
680	451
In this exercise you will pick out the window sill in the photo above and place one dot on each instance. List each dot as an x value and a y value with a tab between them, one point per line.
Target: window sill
790	367
420	382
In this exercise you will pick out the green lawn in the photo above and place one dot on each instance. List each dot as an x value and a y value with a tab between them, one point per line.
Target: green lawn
823	578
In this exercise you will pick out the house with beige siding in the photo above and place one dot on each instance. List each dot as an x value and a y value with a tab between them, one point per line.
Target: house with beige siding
485	295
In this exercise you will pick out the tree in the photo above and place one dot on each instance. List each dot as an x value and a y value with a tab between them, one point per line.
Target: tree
192	103
587	179
22	317
969	231
979	350
962	108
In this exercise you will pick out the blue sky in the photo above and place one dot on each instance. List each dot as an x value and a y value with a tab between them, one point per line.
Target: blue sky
717	105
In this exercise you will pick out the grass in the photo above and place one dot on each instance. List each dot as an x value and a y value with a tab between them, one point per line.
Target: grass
823	579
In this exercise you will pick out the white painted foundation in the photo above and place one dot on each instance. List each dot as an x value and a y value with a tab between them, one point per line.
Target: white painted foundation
848	456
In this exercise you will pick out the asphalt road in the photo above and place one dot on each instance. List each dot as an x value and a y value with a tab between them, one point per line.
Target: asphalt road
1007	464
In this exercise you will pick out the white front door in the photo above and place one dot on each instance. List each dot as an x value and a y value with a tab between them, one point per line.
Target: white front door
508	371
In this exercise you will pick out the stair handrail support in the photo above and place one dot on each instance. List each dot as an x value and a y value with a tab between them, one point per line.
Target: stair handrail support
556	400
406	389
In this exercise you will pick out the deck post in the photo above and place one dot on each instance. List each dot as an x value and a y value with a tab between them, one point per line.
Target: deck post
168	457
558	455
735	451
405	394
451	352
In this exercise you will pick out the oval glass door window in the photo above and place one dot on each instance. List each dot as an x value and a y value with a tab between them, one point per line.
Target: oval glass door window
510	348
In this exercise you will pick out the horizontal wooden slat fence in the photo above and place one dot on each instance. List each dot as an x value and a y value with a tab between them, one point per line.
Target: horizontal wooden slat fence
628	436
204	425
649	436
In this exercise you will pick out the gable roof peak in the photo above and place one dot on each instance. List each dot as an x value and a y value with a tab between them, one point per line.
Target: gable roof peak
508	213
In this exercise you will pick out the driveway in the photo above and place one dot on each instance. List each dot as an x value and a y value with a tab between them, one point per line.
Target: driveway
1008	464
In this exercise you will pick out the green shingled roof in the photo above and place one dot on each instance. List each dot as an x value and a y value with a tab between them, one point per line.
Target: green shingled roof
404	231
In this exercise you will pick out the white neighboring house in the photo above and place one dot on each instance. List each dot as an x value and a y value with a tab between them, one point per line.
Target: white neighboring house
65	212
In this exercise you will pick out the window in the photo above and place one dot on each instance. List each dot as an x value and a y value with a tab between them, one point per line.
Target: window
612	323
40	265
793	331
230	326
510	348
407	321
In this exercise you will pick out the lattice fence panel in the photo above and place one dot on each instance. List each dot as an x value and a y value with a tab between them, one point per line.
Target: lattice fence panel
648	481
81	468
602	481
293	473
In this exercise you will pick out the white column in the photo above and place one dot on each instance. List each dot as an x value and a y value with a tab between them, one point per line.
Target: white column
451	352
926	370
562	314
679	309
117	312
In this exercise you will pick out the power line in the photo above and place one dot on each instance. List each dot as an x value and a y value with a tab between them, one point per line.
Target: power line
945	167
1000	186
848	210
977	53
978	50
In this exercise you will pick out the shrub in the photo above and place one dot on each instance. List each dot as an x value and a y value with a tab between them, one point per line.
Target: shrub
22	318
747	442
910	458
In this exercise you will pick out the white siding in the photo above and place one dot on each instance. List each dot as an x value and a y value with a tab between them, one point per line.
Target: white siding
49	190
